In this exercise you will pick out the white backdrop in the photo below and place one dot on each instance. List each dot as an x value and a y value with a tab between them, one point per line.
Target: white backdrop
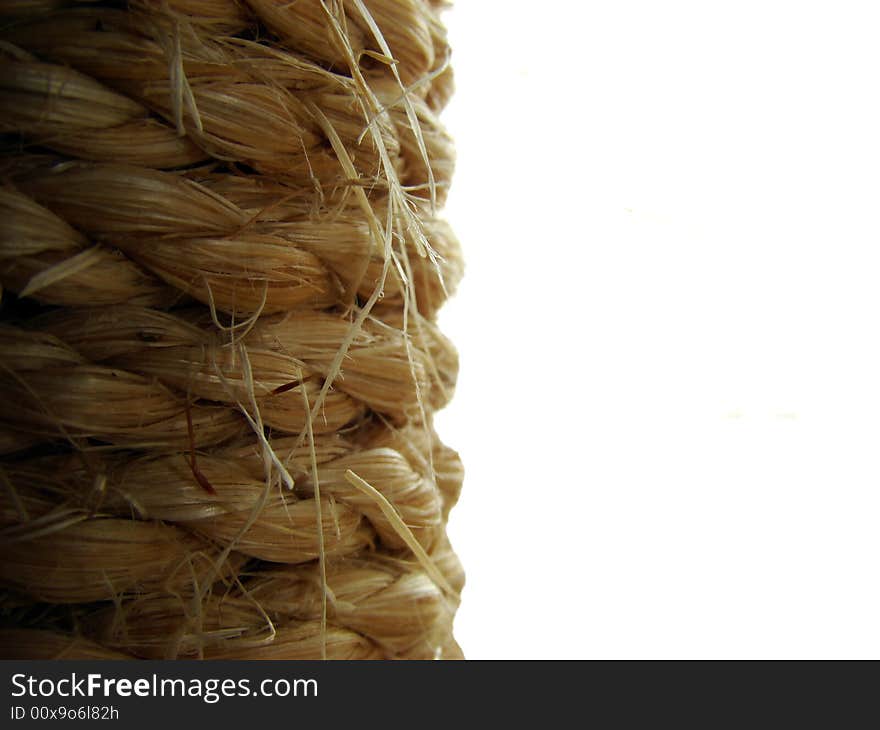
669	399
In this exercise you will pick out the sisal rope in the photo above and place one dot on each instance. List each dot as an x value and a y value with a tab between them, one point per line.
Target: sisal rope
222	260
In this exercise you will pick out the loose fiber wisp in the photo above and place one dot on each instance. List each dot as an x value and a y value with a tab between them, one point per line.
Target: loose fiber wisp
221	261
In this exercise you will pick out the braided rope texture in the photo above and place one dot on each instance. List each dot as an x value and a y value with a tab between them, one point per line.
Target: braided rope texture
221	262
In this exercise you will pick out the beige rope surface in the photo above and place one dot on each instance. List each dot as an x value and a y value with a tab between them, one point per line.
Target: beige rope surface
221	262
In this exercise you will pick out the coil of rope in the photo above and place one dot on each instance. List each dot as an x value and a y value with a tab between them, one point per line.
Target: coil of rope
222	260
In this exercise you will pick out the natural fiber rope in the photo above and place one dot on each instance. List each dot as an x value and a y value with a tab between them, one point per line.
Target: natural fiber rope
221	264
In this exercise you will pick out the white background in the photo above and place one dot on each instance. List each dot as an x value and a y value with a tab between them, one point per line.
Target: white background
669	399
